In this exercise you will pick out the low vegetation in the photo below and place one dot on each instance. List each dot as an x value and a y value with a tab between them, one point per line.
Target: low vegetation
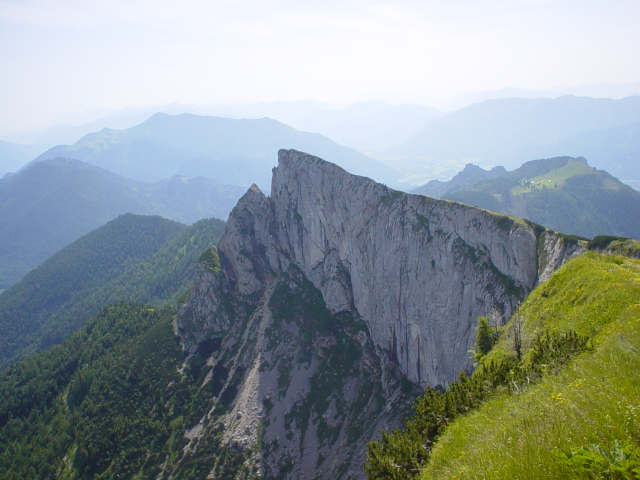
615	245
556	397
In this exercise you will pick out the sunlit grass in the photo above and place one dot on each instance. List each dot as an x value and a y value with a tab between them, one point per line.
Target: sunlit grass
593	400
554	179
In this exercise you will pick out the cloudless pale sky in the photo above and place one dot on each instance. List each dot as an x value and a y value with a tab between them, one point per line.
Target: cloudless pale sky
62	56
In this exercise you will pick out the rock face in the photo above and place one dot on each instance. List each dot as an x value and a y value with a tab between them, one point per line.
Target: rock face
336	300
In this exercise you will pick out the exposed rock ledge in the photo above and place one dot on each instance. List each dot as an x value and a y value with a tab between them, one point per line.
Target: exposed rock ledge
417	270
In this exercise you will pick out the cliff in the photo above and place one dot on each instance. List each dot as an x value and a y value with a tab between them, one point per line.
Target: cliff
333	293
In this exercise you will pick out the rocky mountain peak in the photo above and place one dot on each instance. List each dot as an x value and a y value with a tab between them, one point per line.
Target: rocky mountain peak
337	287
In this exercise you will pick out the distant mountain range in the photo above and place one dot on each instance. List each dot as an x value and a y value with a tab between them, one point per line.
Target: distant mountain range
235	152
48	204
510	131
421	142
562	193
362	125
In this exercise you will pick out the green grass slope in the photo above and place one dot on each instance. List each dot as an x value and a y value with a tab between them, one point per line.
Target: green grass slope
579	421
134	257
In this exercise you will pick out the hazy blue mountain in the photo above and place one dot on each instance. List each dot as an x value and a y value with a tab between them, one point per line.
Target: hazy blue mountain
600	90
73	126
14	156
561	193
368	125
67	134
510	131
131	258
236	152
615	149
49	204
470	175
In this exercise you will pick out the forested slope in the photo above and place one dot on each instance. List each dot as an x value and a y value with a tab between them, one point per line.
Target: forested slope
134	257
111	402
49	204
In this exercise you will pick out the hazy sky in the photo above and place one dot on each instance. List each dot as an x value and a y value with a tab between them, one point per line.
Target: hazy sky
61	56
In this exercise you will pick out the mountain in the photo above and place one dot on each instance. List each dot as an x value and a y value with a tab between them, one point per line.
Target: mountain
133	257
86	264
351	290
470	175
236	152
362	122
615	149
48	204
600	90
562	193
318	318
510	131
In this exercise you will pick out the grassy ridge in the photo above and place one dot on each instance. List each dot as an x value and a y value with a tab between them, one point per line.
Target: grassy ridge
554	179
590	406
564	194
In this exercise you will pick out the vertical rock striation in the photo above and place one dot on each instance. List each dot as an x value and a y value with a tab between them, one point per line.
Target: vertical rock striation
333	292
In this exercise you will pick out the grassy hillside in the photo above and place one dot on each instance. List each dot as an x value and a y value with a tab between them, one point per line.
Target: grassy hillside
555	178
134	257
562	193
557	397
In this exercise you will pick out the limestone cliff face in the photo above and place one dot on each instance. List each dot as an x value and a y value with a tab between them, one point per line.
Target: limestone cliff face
333	291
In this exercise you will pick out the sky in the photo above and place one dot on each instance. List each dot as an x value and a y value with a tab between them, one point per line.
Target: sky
67	56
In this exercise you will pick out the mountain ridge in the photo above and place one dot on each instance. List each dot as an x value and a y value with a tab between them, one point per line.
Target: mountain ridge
232	151
562	193
513	130
311	327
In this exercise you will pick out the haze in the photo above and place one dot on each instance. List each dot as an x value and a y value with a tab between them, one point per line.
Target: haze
61	57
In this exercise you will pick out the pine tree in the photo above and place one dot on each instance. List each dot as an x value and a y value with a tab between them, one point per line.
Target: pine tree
485	338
